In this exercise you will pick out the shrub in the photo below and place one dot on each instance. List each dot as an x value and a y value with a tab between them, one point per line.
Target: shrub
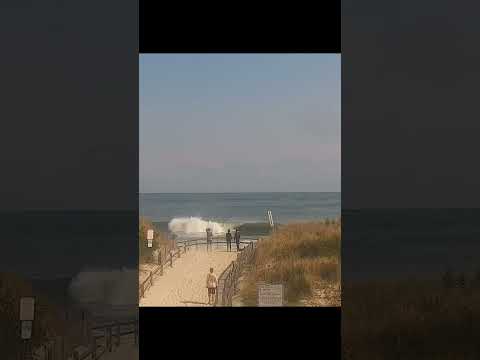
160	241
296	255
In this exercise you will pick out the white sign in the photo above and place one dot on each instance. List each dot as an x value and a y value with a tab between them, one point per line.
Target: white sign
270	295
27	308
149	238
270	218
150	234
27	329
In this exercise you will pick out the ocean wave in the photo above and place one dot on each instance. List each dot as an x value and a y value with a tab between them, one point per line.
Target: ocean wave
112	287
194	226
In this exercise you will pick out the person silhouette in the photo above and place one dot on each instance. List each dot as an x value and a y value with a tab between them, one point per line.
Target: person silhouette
211	287
228	237
237	239
209	238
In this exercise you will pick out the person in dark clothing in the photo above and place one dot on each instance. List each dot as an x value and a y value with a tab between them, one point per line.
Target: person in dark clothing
228	237
237	239
209	239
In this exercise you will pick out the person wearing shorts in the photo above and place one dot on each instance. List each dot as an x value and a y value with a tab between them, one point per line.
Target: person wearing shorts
211	286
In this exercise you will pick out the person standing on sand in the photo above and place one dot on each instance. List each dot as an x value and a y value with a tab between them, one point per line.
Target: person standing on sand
237	239
228	237
211	287
209	239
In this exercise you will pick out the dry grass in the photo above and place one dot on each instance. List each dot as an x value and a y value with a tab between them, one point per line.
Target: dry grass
47	321
160	241
298	256
412	319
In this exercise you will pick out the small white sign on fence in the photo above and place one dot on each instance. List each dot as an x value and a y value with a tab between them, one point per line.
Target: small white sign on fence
150	238
270	295
27	329
27	308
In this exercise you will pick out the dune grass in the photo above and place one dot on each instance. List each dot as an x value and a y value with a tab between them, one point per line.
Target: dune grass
160	241
298	256
47	320
412	319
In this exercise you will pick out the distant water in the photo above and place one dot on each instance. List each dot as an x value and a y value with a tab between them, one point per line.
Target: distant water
59	244
241	207
385	243
52	248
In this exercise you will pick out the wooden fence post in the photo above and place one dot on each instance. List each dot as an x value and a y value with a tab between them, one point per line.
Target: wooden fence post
171	260
118	334
109	338
136	333
151	278
62	348
94	348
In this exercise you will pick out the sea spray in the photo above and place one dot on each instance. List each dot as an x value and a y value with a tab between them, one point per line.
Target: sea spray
196	226
110	287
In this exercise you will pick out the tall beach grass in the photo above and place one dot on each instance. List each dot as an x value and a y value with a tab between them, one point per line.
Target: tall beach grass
299	256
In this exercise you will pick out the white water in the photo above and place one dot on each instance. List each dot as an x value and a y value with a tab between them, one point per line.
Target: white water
112	287
196	226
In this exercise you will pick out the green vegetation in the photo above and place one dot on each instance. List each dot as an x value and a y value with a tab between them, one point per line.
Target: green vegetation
298	256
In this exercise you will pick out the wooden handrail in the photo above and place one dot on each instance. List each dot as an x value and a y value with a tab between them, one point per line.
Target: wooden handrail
229	277
184	246
92	352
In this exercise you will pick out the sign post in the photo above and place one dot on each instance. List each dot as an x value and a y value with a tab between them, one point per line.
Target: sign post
150	238
27	314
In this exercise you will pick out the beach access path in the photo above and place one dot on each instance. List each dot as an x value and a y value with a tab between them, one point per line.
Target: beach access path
184	283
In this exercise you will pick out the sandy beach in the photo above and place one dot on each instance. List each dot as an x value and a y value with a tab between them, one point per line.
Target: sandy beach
184	283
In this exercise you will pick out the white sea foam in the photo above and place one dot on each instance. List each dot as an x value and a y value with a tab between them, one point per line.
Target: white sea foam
113	287
194	226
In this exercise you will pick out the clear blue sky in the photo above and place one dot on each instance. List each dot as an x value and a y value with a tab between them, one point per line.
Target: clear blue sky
239	122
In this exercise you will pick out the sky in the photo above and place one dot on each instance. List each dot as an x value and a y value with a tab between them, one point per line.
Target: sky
240	122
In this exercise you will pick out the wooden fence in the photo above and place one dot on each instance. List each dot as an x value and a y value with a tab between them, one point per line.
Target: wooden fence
101	340
227	282
182	247
168	260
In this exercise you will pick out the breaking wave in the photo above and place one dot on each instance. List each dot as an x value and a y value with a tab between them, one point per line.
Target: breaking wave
196	226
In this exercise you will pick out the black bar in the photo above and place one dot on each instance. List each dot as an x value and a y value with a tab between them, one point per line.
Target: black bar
306	29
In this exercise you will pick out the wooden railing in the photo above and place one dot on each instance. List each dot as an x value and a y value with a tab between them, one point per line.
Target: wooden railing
182	247
227	282
107	336
102	338
168	260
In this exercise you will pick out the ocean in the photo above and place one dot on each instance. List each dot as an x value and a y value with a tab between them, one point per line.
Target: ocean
409	243
190	212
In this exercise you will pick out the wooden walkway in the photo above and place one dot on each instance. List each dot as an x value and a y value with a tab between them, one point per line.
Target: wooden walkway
184	284
181	282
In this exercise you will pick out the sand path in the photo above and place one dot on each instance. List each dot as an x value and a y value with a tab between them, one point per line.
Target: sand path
184	283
